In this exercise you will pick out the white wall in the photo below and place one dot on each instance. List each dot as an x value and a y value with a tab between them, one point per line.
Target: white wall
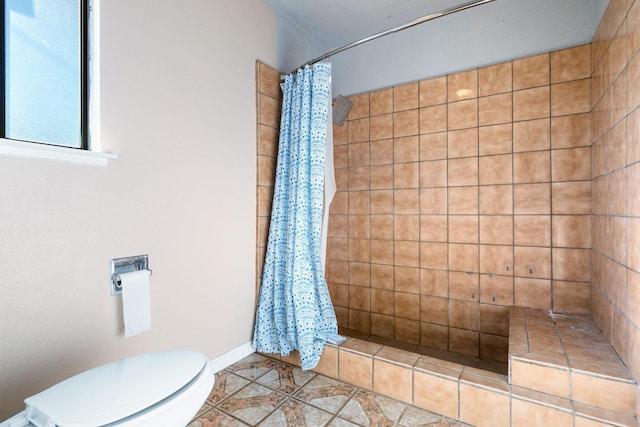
488	34
178	107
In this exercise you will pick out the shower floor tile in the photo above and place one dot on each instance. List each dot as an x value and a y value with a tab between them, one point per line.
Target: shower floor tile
260	391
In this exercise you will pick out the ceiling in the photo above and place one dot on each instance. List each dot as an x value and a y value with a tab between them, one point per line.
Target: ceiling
335	23
487	34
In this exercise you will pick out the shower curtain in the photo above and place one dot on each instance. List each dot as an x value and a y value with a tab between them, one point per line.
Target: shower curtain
294	307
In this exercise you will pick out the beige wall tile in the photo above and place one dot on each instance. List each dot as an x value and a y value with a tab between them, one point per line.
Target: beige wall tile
571	197
495	79
433	119
434	310
532	230
462	114
407	279
433	173
463	200
359	202
496	229
463	229
496	259
495	109
407	306
537	377
572	164
382	276
434	255
571	97
496	139
382	301
381	127
531	135
433	228
406	149
433	146
572	297
462	172
407	330
531	199
405	97
462	85
406	175
617	396
434	336
571	64
463	286
360	106
572	264
355	369
496	290
464	341
531	104
494	319
433	201
532	262
474	403
572	231
496	169
531	72
393	380
496	199
433	91
463	257
528	413
531	167
435	394
406	123
358	130
463	143
381	202
434	282
534	293
382	325
571	131
381	101
406	201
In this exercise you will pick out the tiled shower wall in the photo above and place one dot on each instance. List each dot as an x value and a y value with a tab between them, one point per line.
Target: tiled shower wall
268	101
616	178
461	196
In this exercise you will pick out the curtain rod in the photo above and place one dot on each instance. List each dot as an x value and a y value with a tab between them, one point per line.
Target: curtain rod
426	18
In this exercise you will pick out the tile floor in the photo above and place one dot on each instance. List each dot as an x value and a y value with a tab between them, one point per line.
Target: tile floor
260	391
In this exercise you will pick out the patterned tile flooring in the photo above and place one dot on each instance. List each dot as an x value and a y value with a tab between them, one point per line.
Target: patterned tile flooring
260	391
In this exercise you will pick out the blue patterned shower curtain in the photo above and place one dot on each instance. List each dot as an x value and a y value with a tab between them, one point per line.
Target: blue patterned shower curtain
294	308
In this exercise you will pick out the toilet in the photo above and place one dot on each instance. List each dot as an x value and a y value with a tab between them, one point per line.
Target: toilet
164	388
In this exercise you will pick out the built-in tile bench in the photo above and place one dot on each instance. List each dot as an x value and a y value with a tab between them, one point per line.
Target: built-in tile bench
566	355
562	373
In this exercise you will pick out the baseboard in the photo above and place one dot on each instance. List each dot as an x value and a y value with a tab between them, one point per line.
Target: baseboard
231	357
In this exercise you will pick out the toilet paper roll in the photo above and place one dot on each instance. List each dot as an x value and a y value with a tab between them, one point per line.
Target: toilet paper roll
136	302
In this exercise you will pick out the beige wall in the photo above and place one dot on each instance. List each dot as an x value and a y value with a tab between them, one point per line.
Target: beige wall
461	196
178	107
616	178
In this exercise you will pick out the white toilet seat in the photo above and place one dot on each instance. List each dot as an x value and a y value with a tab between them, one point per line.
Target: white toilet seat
142	390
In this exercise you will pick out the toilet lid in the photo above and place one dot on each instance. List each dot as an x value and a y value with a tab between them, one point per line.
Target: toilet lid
118	389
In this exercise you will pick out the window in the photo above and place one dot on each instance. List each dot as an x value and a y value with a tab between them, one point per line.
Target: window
45	72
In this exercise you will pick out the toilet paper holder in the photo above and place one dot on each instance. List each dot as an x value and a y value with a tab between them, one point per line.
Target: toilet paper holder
126	265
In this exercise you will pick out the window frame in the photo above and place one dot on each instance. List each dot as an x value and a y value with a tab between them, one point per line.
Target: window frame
85	75
93	156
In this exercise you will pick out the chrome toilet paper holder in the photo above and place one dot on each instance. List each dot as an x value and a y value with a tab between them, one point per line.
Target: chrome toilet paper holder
126	265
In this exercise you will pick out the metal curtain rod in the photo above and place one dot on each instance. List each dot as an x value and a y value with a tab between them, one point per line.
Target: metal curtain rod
426	18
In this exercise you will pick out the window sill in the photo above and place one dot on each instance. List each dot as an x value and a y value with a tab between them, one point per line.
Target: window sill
49	152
